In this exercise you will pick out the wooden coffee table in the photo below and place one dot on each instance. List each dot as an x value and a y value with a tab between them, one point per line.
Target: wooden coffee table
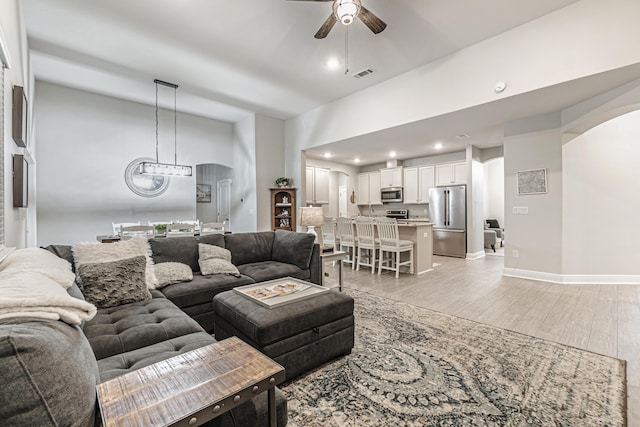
192	388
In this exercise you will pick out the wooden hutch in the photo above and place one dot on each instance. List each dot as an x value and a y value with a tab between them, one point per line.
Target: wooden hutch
283	208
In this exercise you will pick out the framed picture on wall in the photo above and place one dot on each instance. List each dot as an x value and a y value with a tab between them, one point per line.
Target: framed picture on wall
203	193
20	113
532	181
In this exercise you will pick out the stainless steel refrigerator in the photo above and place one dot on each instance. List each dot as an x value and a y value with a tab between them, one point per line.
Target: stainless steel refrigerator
448	213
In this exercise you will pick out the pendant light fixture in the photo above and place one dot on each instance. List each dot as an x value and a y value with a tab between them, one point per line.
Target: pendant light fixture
157	168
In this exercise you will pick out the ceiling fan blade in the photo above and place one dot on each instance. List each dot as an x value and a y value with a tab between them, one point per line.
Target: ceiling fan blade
326	27
374	23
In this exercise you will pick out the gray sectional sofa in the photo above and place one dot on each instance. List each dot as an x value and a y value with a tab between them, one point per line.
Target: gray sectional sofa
49	369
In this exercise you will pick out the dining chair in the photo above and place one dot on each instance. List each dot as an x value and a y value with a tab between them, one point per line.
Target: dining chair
368	245
391	244
347	238
117	225
129	231
181	230
211	228
330	234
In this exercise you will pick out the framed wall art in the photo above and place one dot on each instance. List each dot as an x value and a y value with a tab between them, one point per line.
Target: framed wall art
20	114
532	181
203	193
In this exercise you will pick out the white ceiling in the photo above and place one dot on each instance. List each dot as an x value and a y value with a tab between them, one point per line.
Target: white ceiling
232	57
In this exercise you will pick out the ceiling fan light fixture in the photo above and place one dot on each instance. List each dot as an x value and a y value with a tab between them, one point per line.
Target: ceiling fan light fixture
347	10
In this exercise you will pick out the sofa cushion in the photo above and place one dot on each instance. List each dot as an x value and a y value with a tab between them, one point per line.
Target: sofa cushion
114	283
212	239
48	374
202	289
88	252
175	249
249	247
119	364
268	270
293	248
172	272
128	327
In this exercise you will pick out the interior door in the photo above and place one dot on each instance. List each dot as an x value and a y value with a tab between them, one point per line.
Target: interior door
224	202
342	201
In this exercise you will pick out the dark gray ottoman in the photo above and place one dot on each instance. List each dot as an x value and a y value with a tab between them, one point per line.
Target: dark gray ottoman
300	336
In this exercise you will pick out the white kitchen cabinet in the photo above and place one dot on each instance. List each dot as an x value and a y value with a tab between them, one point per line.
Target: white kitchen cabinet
451	173
369	188
417	182
391	177
317	188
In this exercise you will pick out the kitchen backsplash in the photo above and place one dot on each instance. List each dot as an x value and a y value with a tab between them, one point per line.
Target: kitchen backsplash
415	211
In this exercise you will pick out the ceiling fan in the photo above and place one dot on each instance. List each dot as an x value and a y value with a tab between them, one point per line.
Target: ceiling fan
347	11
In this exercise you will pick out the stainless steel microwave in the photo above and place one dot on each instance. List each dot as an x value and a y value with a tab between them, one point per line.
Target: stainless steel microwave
391	194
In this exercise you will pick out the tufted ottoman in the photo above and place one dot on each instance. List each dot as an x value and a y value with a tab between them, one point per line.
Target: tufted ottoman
300	336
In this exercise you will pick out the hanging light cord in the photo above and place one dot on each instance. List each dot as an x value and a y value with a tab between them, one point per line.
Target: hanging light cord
157	158
175	128
175	119
346	51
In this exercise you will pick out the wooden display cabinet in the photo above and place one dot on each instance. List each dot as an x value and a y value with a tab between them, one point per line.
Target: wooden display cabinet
283	209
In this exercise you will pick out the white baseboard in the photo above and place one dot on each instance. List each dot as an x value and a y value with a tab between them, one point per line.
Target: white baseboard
573	279
475	255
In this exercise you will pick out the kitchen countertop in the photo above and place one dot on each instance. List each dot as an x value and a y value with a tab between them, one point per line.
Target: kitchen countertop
413	223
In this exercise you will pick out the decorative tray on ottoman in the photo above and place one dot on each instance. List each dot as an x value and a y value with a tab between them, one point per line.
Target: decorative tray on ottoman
275	293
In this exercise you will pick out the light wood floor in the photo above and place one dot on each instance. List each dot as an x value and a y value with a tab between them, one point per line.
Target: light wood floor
601	318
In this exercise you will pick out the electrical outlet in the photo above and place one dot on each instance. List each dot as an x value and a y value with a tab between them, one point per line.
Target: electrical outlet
515	253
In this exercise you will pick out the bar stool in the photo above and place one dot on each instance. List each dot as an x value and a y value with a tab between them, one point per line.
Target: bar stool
392	244
347	239
367	242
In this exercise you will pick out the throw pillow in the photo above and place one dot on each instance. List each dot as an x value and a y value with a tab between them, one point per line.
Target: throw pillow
92	253
113	283
215	260
172	272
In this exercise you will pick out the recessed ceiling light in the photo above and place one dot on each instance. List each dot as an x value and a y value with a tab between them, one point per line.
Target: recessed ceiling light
438	146
356	160
332	64
462	136
392	154
327	155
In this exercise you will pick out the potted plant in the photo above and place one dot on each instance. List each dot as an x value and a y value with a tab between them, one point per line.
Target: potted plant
283	182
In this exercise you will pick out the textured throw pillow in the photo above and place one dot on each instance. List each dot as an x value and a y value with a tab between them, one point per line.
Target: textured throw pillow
215	260
172	272
91	253
114	283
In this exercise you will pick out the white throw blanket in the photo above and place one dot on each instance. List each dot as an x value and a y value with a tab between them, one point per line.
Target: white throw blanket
32	294
33	283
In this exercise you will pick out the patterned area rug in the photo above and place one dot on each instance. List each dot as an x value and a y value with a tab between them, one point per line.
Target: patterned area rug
415	367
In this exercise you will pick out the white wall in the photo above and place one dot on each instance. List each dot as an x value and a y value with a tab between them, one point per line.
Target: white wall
601	201
19	223
243	189
85	142
538	235
494	190
269	165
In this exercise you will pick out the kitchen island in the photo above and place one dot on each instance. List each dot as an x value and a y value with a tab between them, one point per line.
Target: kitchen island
421	234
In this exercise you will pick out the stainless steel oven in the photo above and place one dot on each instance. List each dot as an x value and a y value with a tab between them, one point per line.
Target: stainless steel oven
391	194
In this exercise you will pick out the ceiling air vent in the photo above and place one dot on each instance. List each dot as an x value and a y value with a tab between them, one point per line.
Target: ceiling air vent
363	73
